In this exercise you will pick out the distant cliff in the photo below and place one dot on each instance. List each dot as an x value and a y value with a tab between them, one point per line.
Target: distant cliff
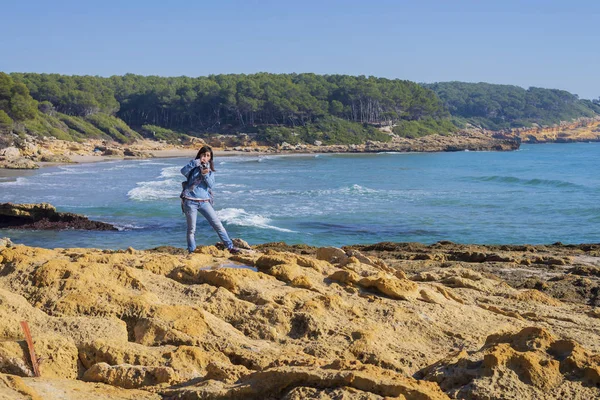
581	130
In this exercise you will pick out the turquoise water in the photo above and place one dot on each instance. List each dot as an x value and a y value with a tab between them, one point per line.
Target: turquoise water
539	194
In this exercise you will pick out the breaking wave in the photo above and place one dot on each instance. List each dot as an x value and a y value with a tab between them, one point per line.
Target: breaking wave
239	216
155	190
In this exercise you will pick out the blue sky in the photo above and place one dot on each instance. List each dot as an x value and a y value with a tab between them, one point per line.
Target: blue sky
550	44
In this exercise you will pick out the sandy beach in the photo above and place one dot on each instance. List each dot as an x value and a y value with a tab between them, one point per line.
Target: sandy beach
167	153
12	174
171	153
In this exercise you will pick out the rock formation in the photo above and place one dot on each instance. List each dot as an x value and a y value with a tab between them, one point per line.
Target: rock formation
45	216
461	141
51	150
581	130
27	153
389	320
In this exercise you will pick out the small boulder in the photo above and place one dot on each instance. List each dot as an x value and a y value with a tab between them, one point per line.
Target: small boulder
113	152
332	255
55	158
130	376
241	244
10	153
20	163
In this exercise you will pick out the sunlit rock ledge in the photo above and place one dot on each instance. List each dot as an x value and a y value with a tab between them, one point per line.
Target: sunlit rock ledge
390	320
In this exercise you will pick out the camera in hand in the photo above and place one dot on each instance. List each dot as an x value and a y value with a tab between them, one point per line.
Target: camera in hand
203	165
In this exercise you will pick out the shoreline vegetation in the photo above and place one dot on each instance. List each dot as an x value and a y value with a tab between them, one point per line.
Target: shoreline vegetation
275	113
37	152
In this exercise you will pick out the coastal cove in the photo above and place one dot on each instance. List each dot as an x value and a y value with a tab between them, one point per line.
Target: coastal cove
539	194
403	201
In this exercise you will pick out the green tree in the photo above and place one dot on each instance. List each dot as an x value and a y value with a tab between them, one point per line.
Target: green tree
6	123
6	84
22	106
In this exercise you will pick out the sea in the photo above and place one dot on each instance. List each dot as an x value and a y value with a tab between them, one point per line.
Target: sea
539	194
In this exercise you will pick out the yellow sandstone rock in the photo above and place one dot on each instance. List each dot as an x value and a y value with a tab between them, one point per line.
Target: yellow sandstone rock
210	326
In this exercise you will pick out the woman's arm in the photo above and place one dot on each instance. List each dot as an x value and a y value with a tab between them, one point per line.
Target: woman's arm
189	166
209	179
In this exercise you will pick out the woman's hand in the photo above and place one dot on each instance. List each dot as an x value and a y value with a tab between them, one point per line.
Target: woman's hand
203	167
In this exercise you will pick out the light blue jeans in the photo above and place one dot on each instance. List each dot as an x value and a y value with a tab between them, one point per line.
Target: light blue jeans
191	209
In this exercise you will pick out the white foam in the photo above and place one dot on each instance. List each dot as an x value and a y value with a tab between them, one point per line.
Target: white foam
127	227
66	171
230	185
345	190
171	172
358	189
122	166
239	216
155	190
147	162
246	159
19	182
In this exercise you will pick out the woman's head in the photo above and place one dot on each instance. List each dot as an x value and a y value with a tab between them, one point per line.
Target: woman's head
207	155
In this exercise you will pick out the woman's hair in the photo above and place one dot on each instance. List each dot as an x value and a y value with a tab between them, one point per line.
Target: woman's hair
207	149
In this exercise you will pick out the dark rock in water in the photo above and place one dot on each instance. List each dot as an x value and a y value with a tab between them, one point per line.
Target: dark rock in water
44	216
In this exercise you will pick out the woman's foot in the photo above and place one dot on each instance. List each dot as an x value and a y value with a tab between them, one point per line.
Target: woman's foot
234	250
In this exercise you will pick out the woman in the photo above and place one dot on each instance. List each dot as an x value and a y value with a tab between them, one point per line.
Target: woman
197	196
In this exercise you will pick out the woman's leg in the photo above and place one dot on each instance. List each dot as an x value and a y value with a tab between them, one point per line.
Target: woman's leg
211	216
191	214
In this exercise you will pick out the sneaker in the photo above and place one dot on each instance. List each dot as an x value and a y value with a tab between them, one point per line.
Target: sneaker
234	250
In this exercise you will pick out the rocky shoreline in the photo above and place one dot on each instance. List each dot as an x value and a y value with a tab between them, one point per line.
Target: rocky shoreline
388	320
581	130
45	217
34	152
463	141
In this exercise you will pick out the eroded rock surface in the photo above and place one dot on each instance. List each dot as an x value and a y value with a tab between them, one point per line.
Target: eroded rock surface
390	320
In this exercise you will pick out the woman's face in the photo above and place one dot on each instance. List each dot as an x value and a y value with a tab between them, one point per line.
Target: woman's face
205	157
